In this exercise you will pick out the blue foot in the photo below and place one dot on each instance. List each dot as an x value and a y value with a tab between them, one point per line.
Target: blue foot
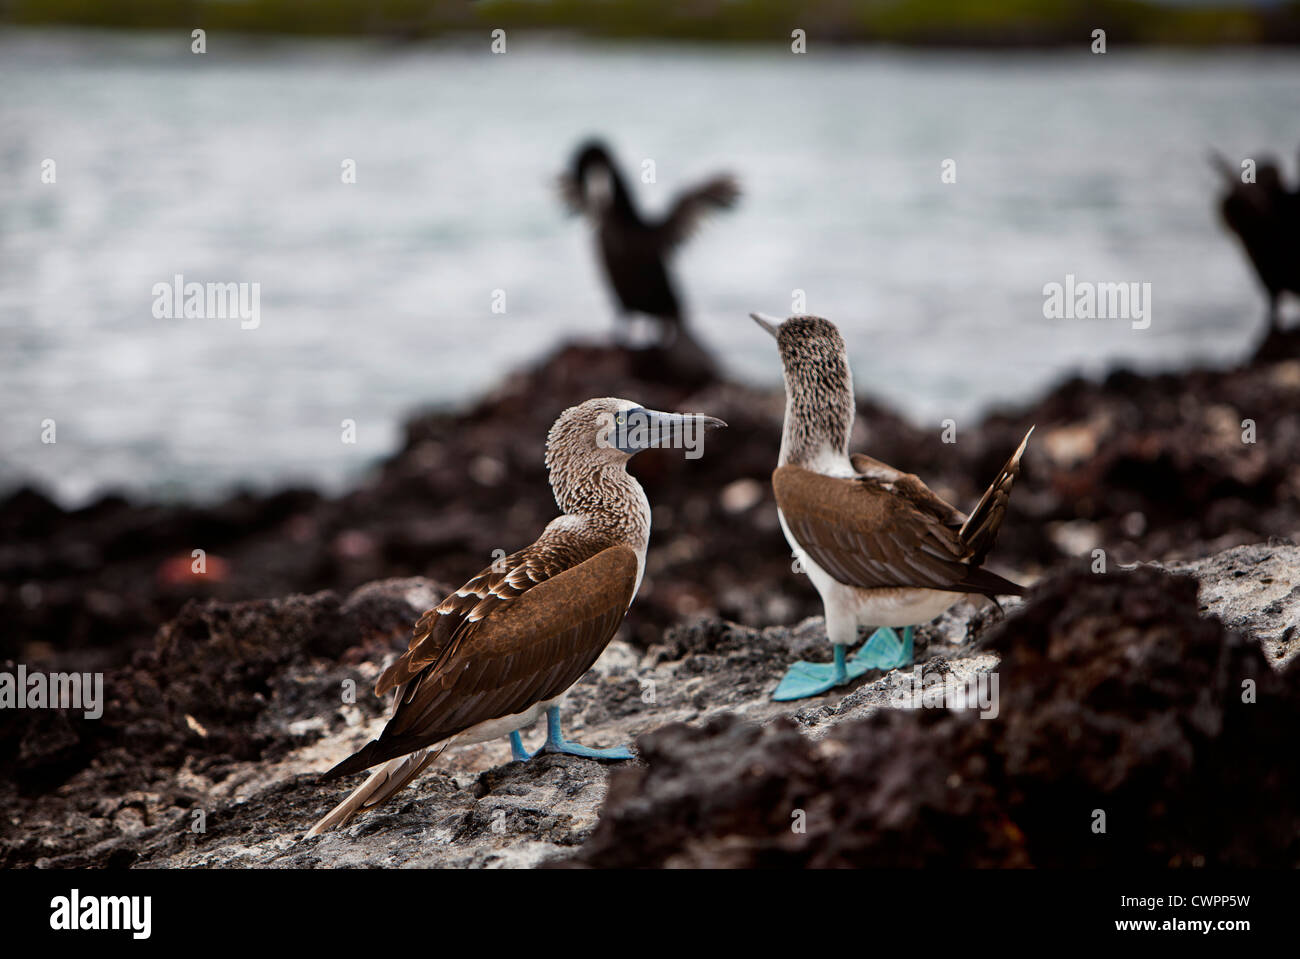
517	751
577	749
803	679
556	743
884	650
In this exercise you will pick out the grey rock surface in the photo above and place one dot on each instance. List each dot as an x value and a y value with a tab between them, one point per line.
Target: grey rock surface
1254	589
250	805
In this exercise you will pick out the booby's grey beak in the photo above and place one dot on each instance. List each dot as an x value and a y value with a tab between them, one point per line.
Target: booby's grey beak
642	429
701	421
769	323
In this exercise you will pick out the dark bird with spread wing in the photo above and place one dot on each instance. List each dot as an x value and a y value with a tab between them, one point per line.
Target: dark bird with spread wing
634	250
881	548
503	649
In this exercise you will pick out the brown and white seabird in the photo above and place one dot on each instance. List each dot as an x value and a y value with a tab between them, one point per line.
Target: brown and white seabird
502	650
881	548
634	250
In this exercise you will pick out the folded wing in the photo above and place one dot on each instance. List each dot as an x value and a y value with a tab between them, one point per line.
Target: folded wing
885	528
864	535
505	641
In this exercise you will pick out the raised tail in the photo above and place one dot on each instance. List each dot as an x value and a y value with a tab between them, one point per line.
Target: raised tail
379	787
981	527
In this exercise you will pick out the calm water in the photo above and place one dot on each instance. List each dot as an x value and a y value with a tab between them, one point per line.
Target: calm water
375	297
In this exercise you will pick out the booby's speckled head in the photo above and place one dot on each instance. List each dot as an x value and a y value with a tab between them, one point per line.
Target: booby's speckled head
818	386
805	341
601	435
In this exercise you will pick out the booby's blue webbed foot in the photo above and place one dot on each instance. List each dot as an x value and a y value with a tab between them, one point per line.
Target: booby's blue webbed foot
884	650
804	679
556	743
577	749
517	751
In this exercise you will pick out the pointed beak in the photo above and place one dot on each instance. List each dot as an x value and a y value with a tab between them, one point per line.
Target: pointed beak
769	323
649	429
701	421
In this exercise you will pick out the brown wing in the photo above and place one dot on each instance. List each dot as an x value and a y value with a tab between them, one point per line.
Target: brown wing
506	641
870	466
692	206
909	486
444	625
864	534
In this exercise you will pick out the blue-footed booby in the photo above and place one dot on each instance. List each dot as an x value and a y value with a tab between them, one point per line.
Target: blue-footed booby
881	548
633	250
502	650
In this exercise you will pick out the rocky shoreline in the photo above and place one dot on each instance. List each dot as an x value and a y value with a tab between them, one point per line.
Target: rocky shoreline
1121	689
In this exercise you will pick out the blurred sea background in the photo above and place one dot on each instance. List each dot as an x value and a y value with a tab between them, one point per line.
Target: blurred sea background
376	297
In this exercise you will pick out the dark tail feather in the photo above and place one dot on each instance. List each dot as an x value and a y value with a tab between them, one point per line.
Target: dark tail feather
367	756
378	788
989	583
981	527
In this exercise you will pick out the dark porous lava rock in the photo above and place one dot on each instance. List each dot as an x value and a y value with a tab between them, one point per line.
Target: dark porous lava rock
1171	466
223	684
1114	695
1116	701
1144	467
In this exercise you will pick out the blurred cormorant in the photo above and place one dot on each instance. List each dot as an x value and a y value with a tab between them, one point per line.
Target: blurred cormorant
633	249
1265	215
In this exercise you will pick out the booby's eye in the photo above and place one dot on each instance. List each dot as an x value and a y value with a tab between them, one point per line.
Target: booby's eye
622	419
